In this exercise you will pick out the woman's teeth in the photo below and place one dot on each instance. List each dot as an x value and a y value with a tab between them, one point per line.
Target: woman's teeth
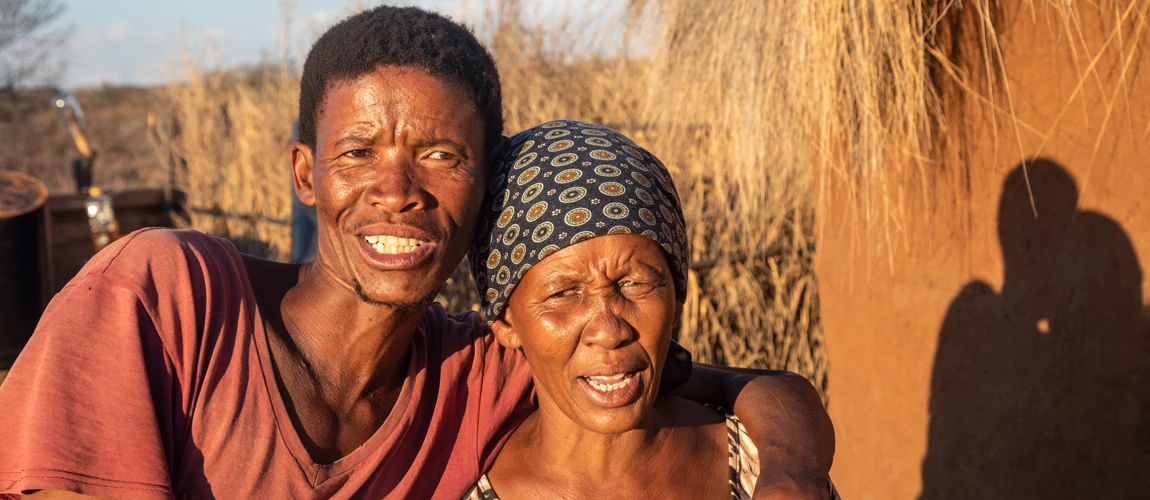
392	244
609	383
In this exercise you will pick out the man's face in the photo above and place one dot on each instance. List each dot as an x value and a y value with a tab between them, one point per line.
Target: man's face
397	178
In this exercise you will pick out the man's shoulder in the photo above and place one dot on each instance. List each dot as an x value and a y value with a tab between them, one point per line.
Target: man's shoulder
453	329
154	259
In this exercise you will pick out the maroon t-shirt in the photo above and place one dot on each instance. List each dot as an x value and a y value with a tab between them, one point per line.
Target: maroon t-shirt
149	377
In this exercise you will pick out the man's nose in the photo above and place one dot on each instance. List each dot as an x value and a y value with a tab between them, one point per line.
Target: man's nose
397	187
606	327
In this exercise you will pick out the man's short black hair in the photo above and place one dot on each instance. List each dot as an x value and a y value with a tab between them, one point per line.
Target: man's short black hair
400	36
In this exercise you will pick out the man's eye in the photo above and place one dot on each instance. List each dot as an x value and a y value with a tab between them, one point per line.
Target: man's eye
358	153
441	156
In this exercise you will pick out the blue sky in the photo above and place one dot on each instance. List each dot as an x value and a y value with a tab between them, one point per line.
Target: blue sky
139	41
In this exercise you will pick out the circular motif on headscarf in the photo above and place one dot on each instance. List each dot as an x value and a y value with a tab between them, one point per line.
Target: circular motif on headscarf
524	160
481	279
503	276
651	234
564	159
523	148
577	217
582	236
558	146
517	253
495	185
600	154
527	175
641	179
536	211
532	191
591	131
598	141
542	232
608	170
497	308
492	294
619	230
645	196
647	217
555	134
511	234
666	212
501	200
572	194
637	164
612	188
547	251
632	151
505	217
552	124
568	176
523	271
667	248
493	259
616	210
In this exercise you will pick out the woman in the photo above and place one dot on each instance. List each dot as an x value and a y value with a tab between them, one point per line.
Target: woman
582	265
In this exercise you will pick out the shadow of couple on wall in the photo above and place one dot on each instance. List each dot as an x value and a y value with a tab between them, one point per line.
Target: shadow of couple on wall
1042	390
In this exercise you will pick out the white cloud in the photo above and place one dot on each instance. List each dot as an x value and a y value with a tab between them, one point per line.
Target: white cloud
117	31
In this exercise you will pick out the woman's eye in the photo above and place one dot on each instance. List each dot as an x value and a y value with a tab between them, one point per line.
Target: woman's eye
562	294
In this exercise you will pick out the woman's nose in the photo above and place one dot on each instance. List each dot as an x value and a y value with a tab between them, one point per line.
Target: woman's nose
607	328
396	188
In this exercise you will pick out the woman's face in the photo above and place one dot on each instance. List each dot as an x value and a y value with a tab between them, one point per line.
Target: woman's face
594	320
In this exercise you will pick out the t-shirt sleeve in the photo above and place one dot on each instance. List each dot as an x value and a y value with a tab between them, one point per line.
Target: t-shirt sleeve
82	407
506	394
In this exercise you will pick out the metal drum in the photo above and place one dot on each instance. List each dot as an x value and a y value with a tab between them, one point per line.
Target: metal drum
22	199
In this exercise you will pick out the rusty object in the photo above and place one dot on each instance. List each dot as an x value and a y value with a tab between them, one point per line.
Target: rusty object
22	199
70	236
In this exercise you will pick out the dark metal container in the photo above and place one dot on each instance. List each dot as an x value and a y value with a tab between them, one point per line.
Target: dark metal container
22	199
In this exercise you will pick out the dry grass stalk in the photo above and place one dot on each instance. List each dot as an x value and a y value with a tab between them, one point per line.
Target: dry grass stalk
745	100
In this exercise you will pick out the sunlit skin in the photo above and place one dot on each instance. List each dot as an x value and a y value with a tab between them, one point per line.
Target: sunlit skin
600	307
398	153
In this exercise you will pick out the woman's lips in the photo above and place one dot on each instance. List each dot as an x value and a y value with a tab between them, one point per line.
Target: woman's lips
613	391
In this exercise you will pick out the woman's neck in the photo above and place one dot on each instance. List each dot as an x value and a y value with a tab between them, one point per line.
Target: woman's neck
587	454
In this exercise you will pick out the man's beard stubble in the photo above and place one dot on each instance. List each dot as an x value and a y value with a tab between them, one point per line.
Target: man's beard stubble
397	306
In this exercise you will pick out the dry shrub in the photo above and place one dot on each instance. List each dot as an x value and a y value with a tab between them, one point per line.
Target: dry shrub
747	101
226	135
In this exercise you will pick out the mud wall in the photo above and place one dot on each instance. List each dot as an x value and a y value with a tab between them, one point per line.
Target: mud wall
1005	355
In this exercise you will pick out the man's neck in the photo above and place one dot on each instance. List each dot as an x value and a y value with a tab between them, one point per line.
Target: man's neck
352	347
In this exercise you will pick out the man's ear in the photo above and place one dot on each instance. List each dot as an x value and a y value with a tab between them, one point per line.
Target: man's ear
302	160
497	152
504	330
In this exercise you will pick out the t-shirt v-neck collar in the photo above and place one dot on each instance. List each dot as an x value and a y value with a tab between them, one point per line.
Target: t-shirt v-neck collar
318	473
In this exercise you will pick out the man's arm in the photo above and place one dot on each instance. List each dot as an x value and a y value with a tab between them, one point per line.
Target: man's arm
785	419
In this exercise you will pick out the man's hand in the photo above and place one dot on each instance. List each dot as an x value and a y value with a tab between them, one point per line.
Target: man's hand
785	419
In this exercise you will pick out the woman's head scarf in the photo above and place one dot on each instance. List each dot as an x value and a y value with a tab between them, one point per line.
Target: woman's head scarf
564	182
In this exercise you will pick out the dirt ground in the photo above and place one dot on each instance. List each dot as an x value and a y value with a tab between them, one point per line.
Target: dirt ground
1005	356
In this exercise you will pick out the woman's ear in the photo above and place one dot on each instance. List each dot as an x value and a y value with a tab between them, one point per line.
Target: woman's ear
504	330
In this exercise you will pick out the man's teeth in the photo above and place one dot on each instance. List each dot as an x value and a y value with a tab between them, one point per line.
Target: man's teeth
392	244
609	383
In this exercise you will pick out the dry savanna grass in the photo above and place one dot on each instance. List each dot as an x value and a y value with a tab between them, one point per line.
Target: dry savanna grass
748	102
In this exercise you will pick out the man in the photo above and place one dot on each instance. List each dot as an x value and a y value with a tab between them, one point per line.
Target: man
174	366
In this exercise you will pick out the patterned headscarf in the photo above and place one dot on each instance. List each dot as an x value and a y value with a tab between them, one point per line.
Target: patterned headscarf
564	182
